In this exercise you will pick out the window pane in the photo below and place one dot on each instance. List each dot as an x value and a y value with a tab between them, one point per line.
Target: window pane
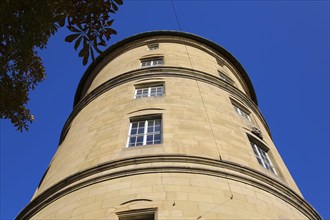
133	131
141	130
139	140
138	93
132	141
157	129
157	137
267	166
255	150
150	139
144	92
141	124
151	126
134	125
153	89
259	161
150	129
263	155
157	122
159	91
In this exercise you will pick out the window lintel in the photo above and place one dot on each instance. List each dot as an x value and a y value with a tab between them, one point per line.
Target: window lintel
146	213
151	57
239	105
148	84
145	117
258	142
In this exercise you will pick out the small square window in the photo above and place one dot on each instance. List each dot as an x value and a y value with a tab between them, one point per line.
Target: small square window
145	131
242	113
157	61
153	46
220	62
149	91
262	156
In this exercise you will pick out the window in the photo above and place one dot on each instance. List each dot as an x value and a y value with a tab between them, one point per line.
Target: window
262	157
153	46
242	113
145	131
220	62
149	91
225	78
157	61
138	214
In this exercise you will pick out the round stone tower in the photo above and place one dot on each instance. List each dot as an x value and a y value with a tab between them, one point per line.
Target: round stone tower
166	125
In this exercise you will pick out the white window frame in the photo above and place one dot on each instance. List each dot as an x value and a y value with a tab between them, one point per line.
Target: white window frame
242	113
145	120
153	62
262	157
149	89
154	46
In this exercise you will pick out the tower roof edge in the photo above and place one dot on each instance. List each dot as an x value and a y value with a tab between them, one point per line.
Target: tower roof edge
80	89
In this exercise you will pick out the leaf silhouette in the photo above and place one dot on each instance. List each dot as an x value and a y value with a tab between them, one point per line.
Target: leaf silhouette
77	43
119	2
71	37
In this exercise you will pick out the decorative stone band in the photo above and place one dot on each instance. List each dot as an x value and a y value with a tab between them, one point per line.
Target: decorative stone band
167	164
161	72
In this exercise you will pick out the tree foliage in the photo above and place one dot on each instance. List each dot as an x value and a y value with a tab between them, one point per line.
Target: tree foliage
25	27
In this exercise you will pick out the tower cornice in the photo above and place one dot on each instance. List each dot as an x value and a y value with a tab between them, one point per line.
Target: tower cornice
178	164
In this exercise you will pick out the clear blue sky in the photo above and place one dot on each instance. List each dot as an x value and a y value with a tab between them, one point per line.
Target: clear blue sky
283	45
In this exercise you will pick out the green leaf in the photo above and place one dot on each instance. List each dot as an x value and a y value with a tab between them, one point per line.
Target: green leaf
71	37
